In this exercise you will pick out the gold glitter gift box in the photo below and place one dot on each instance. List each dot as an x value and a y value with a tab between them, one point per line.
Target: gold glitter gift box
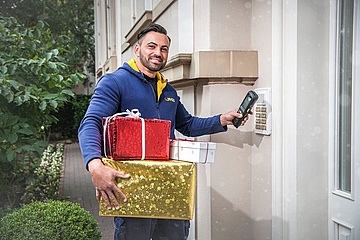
156	189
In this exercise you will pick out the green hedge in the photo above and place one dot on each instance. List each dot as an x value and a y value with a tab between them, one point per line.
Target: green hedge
69	117
55	220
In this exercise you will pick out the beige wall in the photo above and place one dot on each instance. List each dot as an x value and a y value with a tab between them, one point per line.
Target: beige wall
300	134
312	128
231	174
261	184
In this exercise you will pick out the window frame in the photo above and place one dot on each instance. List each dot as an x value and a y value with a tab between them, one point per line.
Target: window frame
336	187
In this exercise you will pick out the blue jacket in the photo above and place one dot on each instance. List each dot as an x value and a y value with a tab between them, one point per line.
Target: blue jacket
126	88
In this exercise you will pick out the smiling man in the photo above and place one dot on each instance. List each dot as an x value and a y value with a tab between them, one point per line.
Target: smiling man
152	50
138	84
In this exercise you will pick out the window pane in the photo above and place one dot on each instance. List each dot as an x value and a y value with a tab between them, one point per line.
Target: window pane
345	33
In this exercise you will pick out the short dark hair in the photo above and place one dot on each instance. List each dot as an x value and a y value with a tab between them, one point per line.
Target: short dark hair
154	27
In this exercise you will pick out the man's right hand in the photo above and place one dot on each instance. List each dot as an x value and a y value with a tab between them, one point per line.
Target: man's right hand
103	178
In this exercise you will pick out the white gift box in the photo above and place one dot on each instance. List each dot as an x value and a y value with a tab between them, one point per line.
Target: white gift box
191	151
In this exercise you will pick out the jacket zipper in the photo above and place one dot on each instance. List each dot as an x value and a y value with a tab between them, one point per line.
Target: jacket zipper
156	100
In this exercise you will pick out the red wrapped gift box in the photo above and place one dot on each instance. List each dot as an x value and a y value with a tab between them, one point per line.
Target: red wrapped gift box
136	138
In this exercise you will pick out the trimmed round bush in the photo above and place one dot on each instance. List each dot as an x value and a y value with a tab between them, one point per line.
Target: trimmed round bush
51	220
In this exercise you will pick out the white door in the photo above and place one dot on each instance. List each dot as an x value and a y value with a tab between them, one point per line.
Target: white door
344	137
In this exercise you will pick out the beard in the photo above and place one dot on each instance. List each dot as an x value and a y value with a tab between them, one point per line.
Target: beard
146	62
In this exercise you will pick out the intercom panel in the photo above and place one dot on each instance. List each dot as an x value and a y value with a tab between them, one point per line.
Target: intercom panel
262	112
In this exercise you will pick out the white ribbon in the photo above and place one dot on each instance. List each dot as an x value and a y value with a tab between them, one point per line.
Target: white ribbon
134	113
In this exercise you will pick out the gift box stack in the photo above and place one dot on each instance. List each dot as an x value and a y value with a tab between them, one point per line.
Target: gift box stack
158	187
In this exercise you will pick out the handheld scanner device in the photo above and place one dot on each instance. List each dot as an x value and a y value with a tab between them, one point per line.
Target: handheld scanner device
245	107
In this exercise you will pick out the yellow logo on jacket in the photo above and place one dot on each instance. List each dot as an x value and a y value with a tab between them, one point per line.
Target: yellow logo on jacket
169	99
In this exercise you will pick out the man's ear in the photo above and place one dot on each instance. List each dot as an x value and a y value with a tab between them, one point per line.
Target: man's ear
136	49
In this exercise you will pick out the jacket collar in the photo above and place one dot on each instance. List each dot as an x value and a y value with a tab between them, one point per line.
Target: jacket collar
161	80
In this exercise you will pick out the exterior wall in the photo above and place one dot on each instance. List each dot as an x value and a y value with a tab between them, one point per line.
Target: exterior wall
300	131
261	181
231	175
312	127
260	187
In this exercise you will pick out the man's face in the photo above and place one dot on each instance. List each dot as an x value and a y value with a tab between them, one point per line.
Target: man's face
152	52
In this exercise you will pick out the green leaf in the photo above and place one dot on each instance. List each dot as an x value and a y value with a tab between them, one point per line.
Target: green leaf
67	92
52	84
38	147
25	131
42	106
18	100
41	24
53	103
48	56
12	138
24	125
29	62
4	91
50	96
12	120
30	34
37	32
3	69
10	97
75	79
14	84
52	65
10	154
55	52
29	148
61	98
41	62
26	96
12	69
48	44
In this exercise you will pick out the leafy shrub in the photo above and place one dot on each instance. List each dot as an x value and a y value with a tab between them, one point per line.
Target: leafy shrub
35	81
60	220
45	181
69	117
